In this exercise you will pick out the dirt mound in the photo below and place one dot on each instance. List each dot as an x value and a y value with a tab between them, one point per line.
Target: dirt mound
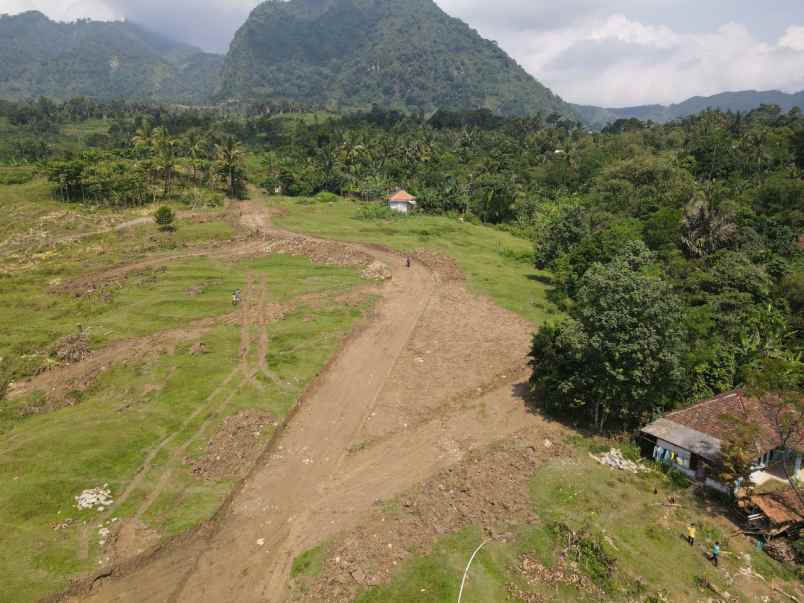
104	286
320	252
444	266
488	488
376	271
72	348
234	448
130	538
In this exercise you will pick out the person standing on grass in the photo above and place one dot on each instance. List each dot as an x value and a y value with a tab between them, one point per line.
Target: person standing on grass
691	534
715	553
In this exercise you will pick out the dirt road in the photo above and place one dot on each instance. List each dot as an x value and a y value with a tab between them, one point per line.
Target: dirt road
383	417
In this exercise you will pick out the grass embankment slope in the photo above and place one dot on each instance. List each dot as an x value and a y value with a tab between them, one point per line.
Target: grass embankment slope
600	535
140	422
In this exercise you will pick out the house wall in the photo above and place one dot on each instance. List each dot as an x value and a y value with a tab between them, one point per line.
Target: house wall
401	207
671	454
716	485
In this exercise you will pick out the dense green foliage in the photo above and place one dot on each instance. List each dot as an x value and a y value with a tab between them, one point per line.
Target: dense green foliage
121	155
40	57
355	53
713	206
621	351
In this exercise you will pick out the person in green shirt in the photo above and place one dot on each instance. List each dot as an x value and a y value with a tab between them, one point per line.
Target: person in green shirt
715	553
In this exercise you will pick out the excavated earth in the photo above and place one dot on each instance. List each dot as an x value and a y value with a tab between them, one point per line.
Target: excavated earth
424	403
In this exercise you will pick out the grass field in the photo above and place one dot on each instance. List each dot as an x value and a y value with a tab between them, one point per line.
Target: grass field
139	421
44	244
495	263
619	521
135	407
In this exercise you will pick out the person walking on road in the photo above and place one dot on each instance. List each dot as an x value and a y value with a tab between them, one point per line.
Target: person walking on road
236	297
691	534
407	261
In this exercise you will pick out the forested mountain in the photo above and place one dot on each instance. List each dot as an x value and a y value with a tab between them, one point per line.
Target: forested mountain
355	53
744	101
40	57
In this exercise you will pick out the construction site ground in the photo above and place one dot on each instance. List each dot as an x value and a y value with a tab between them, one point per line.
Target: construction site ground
392	437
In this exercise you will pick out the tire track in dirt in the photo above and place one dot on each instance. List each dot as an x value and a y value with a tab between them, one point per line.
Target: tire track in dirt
252	314
311	484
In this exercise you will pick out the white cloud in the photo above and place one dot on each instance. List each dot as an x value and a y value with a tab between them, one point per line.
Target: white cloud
63	10
616	61
793	38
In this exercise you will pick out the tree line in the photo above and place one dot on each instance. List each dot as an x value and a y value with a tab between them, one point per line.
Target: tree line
675	249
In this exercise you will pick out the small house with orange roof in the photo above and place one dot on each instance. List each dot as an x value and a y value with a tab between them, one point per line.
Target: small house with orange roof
402	201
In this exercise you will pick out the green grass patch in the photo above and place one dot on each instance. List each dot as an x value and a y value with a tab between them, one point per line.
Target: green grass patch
496	263
309	563
47	459
608	525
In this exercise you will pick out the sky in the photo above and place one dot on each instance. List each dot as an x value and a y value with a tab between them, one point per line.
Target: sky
610	53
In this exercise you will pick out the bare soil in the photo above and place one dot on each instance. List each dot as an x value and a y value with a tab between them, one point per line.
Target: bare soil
489	487
436	375
234	448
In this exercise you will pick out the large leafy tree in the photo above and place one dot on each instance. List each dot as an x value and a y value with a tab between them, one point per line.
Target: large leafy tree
619	355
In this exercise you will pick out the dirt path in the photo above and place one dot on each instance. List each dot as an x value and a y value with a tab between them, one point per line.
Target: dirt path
409	395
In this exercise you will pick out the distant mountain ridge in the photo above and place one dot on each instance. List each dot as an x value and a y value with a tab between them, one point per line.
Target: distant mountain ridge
350	54
743	101
40	57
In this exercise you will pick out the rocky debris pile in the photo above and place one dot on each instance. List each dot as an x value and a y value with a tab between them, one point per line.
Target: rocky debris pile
561	573
614	458
103	536
444	266
96	498
487	487
72	348
320	252
781	550
234	449
376	271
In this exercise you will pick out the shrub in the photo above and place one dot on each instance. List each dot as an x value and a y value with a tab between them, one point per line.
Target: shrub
798	548
165	218
326	197
16	176
202	197
678	480
375	211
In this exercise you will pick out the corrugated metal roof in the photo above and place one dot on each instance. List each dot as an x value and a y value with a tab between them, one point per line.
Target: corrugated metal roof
684	437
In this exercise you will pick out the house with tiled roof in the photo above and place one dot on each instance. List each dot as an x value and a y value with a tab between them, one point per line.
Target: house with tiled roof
692	439
402	201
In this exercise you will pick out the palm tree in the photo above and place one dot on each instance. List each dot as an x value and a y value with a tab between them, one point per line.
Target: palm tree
164	147
229	154
143	137
705	229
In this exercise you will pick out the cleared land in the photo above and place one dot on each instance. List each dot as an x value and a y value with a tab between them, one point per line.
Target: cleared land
167	395
410	448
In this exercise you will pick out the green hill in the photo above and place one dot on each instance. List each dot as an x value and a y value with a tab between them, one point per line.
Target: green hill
743	101
40	57
344	54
